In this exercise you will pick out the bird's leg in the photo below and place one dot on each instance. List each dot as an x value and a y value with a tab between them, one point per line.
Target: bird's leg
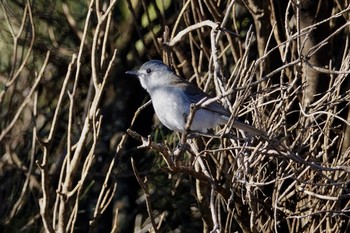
182	147
179	151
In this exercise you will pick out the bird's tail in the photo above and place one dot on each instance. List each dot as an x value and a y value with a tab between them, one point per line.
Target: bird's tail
249	129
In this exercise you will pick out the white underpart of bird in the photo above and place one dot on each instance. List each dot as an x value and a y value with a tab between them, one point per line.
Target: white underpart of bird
172	98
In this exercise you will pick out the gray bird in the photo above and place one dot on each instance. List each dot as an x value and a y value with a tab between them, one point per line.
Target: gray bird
172	97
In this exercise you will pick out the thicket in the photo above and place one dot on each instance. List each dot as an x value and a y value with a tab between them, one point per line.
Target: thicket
80	150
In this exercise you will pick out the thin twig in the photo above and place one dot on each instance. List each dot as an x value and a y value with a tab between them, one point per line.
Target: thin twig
143	185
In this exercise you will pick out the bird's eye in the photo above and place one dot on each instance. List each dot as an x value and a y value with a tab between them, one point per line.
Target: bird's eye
148	71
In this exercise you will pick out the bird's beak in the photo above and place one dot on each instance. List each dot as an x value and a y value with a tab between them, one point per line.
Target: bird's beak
133	72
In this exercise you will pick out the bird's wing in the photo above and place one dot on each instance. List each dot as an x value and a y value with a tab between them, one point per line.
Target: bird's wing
195	95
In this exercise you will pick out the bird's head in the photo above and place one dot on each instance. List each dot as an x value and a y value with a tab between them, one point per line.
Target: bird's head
154	74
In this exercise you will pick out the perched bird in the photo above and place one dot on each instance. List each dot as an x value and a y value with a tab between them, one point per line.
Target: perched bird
172	98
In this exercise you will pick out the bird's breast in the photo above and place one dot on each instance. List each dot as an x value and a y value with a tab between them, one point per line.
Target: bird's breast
171	108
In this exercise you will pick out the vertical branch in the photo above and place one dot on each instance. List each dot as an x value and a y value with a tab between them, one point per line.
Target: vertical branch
143	185
21	200
95	66
44	202
7	129
74	160
214	216
27	12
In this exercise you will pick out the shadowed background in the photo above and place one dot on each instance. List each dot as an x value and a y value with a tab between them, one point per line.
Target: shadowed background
64	116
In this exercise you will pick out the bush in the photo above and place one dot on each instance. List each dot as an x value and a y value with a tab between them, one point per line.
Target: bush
68	162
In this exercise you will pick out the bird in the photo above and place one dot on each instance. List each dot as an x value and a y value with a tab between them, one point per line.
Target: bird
173	96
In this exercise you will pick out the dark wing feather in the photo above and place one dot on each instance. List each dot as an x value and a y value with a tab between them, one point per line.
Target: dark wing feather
195	95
